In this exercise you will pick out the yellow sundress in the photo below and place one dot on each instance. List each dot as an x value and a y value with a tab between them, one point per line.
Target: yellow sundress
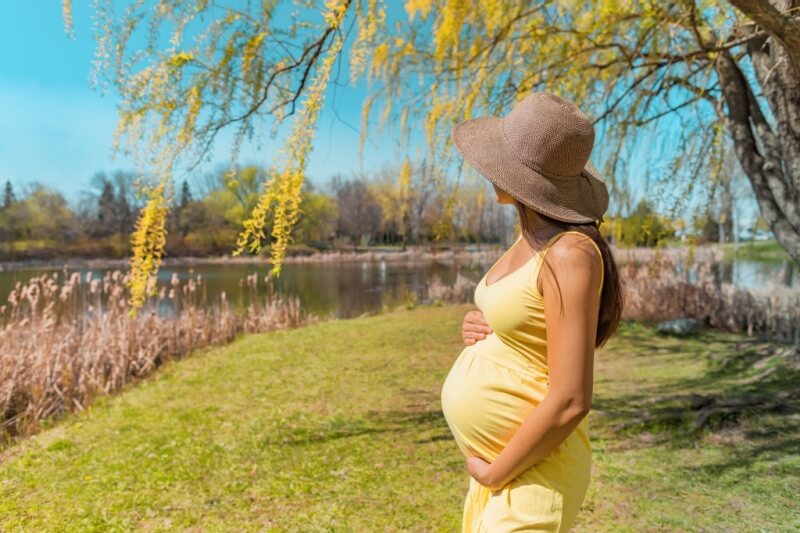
492	387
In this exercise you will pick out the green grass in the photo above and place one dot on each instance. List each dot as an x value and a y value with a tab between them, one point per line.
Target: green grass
337	427
766	250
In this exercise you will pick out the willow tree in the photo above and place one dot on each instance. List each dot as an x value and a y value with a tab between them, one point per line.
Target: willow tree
680	79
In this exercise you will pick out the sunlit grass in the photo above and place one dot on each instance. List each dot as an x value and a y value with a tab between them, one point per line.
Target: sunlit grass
338	426
766	250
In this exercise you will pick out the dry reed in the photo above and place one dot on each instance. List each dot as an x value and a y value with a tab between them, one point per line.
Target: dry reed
662	289
669	283
63	344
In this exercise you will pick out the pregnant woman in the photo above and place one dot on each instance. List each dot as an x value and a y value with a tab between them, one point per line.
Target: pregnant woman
517	396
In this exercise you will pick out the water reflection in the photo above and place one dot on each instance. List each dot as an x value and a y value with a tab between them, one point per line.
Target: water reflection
348	289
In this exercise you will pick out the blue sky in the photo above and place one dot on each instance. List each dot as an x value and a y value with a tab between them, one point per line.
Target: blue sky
57	130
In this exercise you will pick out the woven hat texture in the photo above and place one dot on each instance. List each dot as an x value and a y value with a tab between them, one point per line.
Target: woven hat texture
539	153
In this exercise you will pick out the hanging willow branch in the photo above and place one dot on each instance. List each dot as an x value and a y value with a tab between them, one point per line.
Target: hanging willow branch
638	68
283	189
175	103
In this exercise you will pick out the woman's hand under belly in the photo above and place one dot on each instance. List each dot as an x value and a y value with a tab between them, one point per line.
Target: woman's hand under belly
484	402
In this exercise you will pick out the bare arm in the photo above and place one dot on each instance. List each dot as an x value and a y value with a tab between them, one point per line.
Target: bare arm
571	323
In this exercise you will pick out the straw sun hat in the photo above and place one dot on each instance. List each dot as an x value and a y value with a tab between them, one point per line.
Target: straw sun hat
538	153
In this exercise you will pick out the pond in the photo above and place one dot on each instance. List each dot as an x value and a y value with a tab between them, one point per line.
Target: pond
347	289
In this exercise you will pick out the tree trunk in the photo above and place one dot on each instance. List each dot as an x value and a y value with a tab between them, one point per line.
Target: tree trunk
726	210
769	155
406	226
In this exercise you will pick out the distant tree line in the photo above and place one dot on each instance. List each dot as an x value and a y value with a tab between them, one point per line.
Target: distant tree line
391	206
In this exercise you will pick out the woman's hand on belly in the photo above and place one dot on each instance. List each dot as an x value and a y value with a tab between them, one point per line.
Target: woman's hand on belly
474	327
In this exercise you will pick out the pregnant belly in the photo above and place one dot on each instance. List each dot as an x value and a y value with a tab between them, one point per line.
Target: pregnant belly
485	402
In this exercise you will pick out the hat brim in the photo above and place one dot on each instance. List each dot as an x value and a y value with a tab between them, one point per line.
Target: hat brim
582	198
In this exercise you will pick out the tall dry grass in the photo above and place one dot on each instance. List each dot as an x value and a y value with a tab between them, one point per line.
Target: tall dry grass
671	283
63	344
662	289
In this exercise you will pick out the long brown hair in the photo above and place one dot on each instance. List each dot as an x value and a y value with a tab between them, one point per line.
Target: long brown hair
611	298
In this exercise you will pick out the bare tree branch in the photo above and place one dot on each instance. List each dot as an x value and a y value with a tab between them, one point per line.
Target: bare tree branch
784	27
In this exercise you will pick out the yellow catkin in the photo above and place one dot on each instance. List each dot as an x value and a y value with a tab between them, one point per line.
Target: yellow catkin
478	53
195	103
282	191
148	240
369	25
423	7
66	13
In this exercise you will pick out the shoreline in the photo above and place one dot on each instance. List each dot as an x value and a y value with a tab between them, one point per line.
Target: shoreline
321	257
488	252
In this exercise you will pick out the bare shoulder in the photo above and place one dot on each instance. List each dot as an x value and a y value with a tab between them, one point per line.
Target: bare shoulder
576	249
574	262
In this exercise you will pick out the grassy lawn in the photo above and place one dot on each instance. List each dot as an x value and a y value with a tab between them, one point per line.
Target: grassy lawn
337	427
767	250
